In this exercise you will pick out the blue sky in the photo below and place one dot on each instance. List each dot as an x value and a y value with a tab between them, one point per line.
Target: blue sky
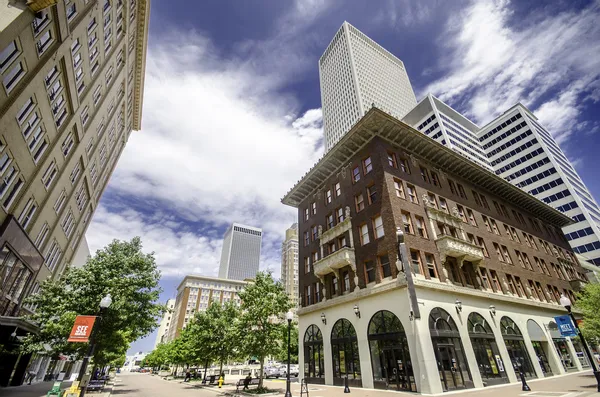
232	117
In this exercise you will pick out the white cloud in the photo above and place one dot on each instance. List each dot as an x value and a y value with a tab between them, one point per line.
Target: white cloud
404	13
219	143
495	65
178	252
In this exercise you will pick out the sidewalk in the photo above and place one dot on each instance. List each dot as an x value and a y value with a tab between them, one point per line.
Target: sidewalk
580	384
40	389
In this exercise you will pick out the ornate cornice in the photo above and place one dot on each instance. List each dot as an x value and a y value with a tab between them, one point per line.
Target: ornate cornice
143	20
377	123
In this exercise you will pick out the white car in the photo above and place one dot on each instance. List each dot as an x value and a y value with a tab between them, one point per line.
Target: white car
294	370
272	372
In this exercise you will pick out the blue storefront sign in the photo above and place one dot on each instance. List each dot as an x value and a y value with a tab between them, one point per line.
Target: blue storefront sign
565	325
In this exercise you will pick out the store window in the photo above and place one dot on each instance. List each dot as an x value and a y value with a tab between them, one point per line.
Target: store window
449	351
390	356
515	344
491	366
344	348
314	362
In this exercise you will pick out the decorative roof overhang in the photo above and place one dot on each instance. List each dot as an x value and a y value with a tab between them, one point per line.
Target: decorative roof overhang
377	123
143	21
39	5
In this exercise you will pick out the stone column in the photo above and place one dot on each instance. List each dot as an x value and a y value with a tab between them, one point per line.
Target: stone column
533	357
328	358
364	353
425	366
468	349
553	357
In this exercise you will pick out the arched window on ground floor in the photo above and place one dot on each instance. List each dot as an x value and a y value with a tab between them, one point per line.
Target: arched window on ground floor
314	363
390	356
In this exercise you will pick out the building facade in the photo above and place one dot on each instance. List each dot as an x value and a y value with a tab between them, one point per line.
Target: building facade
240	255
165	323
356	73
196	293
476	292
445	125
523	152
72	82
289	264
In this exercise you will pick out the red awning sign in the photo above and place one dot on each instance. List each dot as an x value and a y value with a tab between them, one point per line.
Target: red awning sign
82	329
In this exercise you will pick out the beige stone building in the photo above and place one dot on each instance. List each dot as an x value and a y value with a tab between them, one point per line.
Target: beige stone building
289	264
72	79
165	323
195	293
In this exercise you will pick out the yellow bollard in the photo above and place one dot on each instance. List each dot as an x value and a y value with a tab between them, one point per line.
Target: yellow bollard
220	381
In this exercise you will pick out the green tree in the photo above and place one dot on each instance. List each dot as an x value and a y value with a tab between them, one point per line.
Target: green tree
157	358
118	362
122	270
264	304
589	302
215	333
283	339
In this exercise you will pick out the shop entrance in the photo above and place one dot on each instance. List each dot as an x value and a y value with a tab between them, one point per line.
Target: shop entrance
449	353
396	370
390	356
449	367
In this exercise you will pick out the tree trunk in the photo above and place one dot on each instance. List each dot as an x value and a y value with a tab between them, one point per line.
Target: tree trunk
261	373
221	368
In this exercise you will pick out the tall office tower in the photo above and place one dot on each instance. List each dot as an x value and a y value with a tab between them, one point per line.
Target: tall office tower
289	264
196	293
240	256
165	323
355	73
445	125
72	78
525	154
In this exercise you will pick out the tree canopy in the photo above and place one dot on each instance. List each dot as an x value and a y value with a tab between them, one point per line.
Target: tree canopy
264	304
589	302
120	269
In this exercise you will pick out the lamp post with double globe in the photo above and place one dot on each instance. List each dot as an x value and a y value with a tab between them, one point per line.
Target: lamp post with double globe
104	304
566	303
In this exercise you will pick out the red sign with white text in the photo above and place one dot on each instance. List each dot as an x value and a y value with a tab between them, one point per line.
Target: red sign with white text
82	329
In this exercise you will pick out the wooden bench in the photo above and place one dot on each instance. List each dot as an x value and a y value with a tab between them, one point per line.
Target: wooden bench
212	380
250	382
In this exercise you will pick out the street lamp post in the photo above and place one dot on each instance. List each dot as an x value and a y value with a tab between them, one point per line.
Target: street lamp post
566	303
289	316
104	304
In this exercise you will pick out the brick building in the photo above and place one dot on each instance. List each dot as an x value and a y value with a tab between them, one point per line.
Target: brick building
488	264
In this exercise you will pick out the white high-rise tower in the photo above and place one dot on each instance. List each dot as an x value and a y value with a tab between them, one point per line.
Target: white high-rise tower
355	73
524	153
240	256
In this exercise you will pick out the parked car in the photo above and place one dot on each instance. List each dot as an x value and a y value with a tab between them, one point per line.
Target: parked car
294	370
272	372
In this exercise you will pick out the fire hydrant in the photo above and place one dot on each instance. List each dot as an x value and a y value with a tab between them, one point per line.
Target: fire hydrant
220	381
